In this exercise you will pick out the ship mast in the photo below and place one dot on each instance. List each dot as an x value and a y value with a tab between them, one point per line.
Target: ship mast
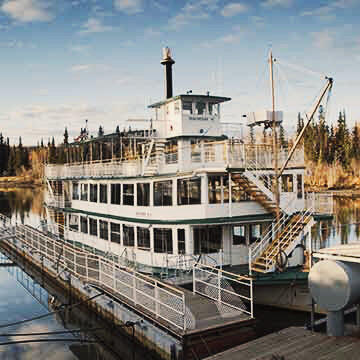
275	140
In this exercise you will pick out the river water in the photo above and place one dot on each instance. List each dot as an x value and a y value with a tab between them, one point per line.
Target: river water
22	298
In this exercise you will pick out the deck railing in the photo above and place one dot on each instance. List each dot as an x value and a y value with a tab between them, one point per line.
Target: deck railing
322	203
217	285
221	154
156	298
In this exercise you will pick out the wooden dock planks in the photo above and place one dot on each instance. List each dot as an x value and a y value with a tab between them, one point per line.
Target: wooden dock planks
294	343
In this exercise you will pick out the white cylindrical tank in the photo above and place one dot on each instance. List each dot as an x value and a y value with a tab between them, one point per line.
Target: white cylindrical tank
335	284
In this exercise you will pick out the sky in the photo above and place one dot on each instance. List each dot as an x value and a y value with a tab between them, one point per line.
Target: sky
66	61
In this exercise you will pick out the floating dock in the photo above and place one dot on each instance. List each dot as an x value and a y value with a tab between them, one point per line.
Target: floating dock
294	343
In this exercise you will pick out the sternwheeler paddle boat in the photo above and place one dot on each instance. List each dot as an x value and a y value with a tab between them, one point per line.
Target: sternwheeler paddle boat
183	191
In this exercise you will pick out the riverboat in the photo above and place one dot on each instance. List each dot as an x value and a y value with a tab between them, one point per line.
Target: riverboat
186	189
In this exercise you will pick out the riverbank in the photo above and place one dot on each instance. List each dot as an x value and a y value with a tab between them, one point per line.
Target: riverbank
8	183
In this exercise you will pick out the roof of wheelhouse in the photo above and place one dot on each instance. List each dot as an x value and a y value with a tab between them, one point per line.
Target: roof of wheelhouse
191	97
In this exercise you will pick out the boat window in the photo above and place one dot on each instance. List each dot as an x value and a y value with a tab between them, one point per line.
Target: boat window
115	193
287	183
163	241
128	235
200	107
103	193
128	194
213	109
93	192
187	107
115	233
143	194
93	227
299	186
163	193
84	224
195	151
104	230
84	192
73	222
207	240
177	106
181	241
239	235
189	191
214	189
143	238
225	189
171	152
75	192
255	233
238	192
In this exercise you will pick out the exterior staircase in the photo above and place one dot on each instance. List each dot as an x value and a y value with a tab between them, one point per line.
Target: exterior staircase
274	248
154	158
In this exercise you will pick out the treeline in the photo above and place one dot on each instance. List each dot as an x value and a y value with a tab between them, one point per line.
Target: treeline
331	145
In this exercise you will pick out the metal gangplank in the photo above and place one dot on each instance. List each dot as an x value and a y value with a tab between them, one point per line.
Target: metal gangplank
171	307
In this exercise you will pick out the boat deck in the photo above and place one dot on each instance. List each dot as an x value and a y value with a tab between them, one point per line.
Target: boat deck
294	343
347	252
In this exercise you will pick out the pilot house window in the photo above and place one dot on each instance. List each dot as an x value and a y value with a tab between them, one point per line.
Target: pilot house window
187	107
189	191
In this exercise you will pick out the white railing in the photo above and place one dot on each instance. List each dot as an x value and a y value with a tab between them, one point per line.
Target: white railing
157	298
322	203
226	153
216	284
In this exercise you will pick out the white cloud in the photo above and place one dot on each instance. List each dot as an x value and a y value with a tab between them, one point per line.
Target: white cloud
80	49
233	9
86	68
328	11
277	3
27	10
231	38
94	25
129	7
151	32
193	10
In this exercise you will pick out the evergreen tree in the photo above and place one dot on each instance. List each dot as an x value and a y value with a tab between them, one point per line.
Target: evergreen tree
342	145
42	143
252	135
66	137
355	143
300	124
117	129
52	152
12	161
283	142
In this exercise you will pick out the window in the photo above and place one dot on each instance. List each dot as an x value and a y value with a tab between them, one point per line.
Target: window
287	183
214	189
84	224
75	188
181	241
187	107
93	227
255	233
128	194
207	240
163	241
213	109
73	222
177	106
143	238
93	192
239	235
163	193
195	151
299	186
84	192
200	108
104	232
103	193
143	194
189	191
115	193
225	189
115	233
238	192
128	235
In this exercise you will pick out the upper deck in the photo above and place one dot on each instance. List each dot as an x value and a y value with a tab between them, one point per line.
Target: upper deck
163	157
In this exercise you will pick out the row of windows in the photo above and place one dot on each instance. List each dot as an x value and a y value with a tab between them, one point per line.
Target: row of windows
189	192
163	237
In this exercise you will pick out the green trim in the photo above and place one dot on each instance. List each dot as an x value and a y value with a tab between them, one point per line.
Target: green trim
219	220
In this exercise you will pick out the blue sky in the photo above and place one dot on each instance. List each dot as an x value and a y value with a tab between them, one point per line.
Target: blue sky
66	61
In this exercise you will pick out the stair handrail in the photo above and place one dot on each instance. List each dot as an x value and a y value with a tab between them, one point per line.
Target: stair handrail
306	214
147	158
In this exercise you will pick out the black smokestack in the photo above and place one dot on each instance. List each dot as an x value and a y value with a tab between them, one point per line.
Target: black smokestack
168	62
